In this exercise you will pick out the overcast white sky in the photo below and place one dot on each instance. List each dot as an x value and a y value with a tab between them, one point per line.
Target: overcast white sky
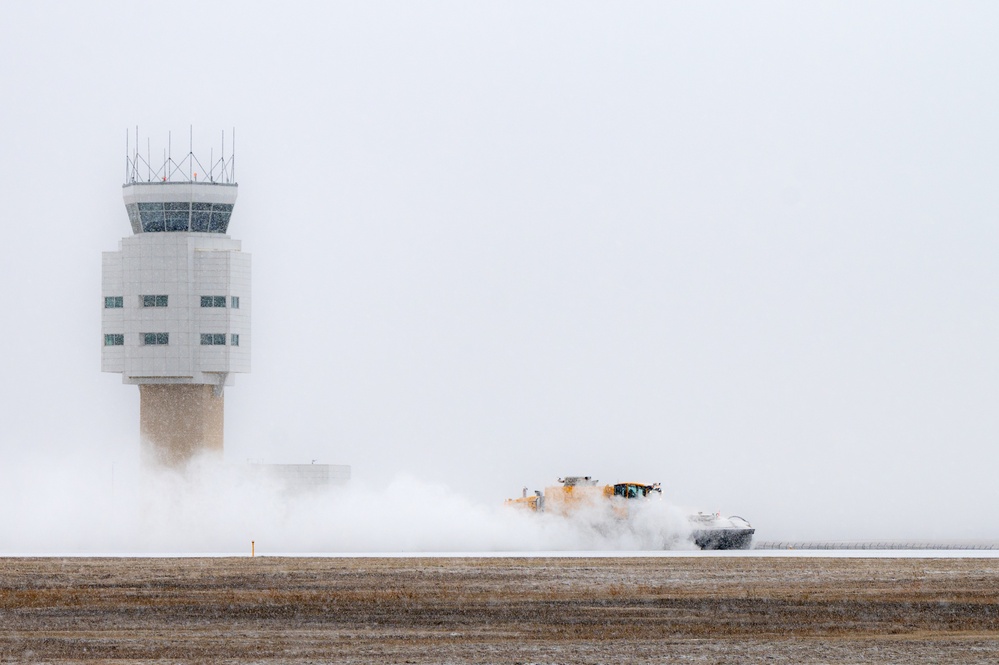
745	249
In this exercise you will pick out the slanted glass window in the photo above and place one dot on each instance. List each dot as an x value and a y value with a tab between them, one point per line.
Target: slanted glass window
200	215
150	339
213	301
133	217
154	301
114	302
177	216
219	221
235	302
152	217
114	340
235	340
212	339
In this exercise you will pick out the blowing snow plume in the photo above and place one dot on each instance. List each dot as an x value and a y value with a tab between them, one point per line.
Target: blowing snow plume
220	509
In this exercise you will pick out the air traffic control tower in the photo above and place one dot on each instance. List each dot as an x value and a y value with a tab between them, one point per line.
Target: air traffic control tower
176	304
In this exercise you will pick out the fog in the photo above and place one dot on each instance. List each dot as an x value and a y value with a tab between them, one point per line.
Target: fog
232	508
744	250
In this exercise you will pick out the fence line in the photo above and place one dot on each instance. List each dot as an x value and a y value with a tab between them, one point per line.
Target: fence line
872	545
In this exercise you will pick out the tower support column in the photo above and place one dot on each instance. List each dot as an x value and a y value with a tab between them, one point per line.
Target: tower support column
179	421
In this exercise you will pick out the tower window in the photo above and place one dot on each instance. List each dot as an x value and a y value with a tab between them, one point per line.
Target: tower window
235	340
235	302
150	339
212	339
180	216
213	301
114	302
200	215
219	221
154	301
133	217
114	340
177	216
152	217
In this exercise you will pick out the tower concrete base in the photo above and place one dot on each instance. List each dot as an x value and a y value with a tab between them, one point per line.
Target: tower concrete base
179	422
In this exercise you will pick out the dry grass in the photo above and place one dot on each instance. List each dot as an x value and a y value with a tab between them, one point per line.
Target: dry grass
712	610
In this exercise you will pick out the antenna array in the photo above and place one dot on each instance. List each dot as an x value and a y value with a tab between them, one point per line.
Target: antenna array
184	169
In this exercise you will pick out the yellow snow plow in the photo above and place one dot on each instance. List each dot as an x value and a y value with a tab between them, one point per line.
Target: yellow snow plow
709	531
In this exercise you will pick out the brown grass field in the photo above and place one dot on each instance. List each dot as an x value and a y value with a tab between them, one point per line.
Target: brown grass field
499	610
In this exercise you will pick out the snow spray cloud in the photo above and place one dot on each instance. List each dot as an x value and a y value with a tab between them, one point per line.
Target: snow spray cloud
214	508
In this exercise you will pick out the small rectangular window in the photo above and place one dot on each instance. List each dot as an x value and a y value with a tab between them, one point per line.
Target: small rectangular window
235	302
235	340
212	339
154	301
114	340
150	339
213	301
114	302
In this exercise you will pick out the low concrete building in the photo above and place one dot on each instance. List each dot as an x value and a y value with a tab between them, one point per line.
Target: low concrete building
299	478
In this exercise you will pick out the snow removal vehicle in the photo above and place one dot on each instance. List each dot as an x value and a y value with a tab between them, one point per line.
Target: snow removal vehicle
709	531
